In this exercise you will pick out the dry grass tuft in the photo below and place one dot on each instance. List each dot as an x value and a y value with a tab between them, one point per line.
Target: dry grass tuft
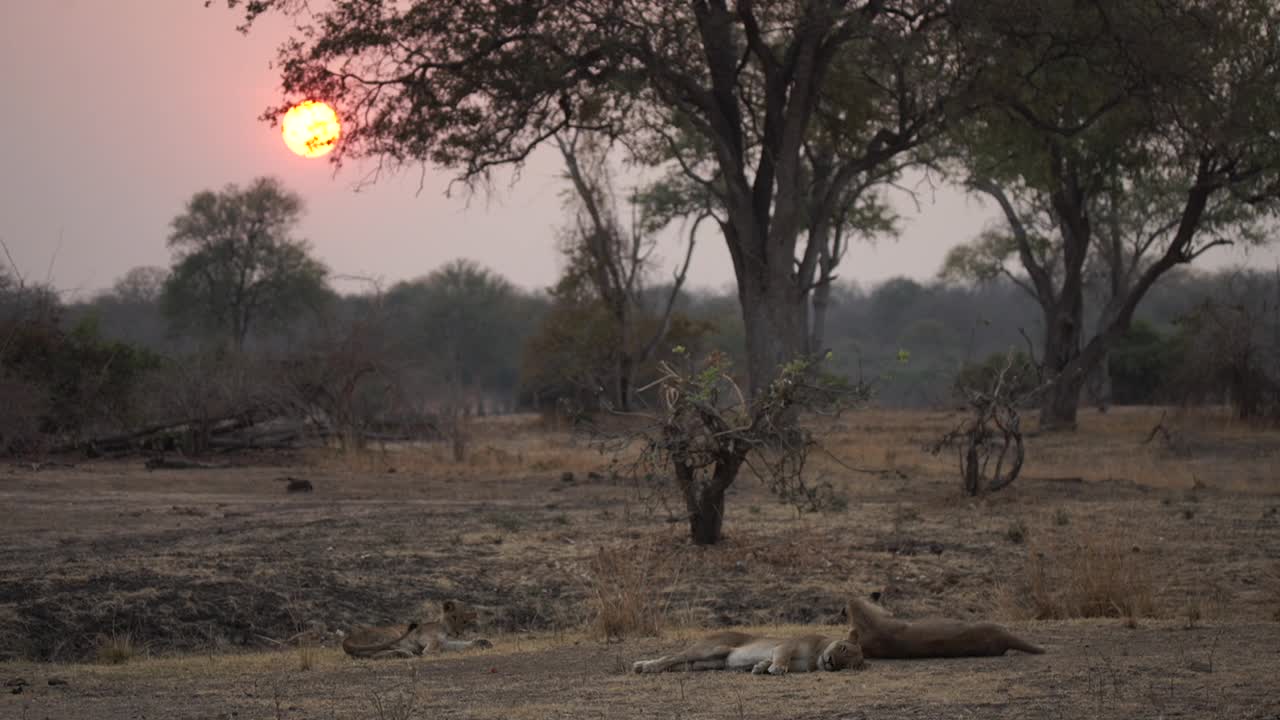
1099	577
629	590
308	656
115	649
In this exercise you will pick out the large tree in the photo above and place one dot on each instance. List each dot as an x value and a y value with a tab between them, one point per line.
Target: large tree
237	266
474	86
1120	141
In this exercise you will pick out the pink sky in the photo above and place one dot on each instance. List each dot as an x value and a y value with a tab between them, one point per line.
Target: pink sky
117	111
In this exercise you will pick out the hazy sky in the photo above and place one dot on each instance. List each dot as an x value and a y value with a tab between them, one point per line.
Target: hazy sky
117	111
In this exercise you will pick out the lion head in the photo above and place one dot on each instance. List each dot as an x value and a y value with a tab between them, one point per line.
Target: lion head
842	654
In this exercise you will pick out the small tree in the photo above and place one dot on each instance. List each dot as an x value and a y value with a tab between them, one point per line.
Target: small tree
708	430
236	265
615	259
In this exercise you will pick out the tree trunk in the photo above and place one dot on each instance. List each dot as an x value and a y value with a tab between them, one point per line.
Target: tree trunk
775	319
1099	383
706	515
622	390
1061	402
1063	328
821	301
705	499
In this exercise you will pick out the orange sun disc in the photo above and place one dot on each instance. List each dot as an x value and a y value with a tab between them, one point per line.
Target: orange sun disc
311	129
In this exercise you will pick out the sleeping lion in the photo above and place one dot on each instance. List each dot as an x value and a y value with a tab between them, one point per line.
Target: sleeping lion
731	650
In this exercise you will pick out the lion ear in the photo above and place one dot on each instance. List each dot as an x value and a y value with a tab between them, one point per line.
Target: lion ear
853	635
447	605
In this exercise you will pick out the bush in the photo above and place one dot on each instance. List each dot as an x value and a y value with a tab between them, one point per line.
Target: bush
1140	365
64	384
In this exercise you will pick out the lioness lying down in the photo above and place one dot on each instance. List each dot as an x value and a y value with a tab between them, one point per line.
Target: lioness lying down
776	656
883	636
387	641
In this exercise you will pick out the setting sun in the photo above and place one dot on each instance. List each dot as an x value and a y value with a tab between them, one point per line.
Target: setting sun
311	129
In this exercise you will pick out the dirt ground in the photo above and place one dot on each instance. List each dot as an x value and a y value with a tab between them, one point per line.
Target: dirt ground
216	594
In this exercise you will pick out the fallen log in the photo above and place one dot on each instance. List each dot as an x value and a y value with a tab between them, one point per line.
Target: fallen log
115	444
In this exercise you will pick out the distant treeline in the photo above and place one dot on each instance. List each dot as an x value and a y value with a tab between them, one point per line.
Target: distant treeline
464	340
909	338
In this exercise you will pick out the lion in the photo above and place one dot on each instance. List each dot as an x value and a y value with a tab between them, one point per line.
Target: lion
883	636
731	650
388	641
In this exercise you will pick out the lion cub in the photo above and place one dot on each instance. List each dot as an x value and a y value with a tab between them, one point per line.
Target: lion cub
387	641
777	656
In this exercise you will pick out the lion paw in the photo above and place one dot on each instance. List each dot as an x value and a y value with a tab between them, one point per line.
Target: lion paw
760	668
639	666
777	669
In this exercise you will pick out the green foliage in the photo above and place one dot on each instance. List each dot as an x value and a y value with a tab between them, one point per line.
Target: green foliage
1141	364
982	259
1148	143
67	381
236	267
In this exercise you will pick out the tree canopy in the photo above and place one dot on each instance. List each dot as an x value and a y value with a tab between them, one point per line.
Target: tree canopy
1119	141
236	265
739	97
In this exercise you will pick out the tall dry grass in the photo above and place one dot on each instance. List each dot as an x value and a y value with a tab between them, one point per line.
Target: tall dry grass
115	648
1098	576
630	590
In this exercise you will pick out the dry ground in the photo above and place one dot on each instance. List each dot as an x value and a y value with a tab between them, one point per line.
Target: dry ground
218	587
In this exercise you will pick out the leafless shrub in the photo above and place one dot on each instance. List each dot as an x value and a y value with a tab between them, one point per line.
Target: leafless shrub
993	430
342	381
204	389
1230	350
